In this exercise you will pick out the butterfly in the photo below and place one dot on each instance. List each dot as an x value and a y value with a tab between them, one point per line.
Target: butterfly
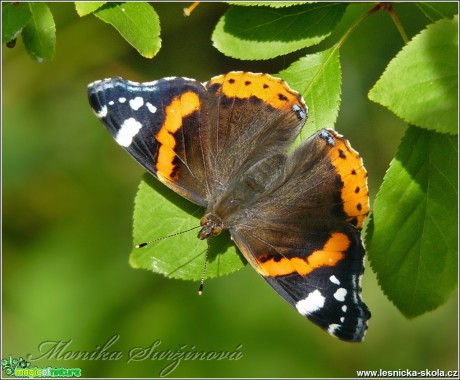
223	144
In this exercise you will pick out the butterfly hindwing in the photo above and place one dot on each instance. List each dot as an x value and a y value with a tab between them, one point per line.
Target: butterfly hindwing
310	250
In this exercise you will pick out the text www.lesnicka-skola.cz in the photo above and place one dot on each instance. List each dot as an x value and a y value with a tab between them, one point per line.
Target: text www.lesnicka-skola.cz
407	373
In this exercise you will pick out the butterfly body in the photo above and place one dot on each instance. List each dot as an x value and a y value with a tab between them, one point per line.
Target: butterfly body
224	145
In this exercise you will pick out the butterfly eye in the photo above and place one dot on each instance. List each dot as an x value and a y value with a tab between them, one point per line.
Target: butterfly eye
216	230
203	221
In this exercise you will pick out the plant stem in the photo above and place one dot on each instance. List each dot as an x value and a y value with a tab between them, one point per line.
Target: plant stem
357	23
398	24
379	7
339	43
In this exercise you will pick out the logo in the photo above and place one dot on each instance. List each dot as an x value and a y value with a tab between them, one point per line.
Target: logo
223	144
21	368
9	365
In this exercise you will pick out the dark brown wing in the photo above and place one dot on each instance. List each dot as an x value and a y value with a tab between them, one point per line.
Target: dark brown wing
255	116
303	236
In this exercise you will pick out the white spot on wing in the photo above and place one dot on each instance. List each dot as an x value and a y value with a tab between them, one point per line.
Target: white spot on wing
332	327
122	100
94	83
136	103
128	130
149	84
298	111
106	84
355	282
188	79
102	113
111	103
151	107
334	280
342	319
313	302
340	294
344	308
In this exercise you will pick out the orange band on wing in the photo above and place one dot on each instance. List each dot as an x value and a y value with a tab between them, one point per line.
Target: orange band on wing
180	107
330	255
355	194
270	90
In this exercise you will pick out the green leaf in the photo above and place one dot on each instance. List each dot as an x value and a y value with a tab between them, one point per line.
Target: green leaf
272	4
39	34
317	77
264	32
85	8
14	19
420	83
158	212
439	9
411	237
138	23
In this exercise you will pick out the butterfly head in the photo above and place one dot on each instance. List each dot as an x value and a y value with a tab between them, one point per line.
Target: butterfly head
212	225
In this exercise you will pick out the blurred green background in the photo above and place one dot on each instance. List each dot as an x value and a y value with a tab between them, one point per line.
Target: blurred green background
68	193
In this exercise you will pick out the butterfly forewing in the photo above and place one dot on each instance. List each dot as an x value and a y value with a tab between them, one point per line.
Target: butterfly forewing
162	124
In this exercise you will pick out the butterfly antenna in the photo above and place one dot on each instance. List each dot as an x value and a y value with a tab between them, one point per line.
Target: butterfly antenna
203	276
166	237
189	10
